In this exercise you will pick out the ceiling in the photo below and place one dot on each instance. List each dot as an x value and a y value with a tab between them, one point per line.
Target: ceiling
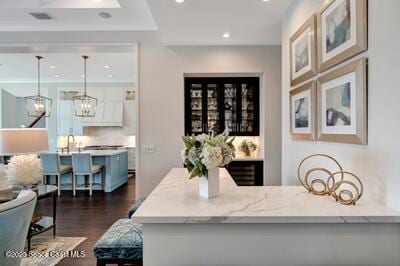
194	22
203	22
68	68
76	15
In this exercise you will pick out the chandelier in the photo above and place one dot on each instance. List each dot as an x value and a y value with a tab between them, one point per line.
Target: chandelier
38	105
85	105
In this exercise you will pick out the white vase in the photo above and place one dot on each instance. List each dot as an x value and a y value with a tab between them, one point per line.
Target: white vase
209	187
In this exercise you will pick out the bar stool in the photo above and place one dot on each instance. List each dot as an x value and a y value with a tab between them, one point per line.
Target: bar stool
52	167
82	165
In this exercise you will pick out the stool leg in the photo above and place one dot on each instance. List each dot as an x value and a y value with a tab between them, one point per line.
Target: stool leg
101	179
90	184
59	184
74	184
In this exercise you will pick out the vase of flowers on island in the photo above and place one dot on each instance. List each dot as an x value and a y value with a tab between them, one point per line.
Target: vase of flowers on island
203	155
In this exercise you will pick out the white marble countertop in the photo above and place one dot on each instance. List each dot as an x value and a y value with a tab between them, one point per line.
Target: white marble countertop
97	152
176	200
245	159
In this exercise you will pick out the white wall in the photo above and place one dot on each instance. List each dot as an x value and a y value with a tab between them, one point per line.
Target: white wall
8	107
377	163
161	105
161	80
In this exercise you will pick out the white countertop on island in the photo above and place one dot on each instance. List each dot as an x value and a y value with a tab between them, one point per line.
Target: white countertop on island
97	152
176	200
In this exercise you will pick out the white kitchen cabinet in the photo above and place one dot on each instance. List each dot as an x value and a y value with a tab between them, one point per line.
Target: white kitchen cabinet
113	112
68	123
131	158
113	95
129	117
109	108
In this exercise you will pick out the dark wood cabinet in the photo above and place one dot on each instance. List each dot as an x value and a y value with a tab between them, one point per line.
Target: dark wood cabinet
213	104
247	173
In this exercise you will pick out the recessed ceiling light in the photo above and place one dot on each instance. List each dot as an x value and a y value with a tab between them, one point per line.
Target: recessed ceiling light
179	1
265	0
57	76
226	35
104	15
106	66
82	76
53	67
110	76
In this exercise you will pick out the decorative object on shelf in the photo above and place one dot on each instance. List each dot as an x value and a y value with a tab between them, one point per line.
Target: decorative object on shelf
303	113
25	171
247	147
342	31
130	95
345	187
303	51
38	105
342	108
85	105
203	155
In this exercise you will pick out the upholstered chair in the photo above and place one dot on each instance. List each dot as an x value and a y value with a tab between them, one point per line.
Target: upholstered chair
82	165
52	167
15	217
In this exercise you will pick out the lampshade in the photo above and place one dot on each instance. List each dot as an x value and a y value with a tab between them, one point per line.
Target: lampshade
23	141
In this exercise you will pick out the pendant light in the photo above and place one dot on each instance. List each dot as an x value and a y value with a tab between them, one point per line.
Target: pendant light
85	105
38	105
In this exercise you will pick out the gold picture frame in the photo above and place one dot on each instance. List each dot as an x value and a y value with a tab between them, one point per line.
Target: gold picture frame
307	95
305	35
342	27
342	104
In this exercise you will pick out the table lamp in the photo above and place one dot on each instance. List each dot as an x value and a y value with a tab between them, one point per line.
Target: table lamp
16	141
23	144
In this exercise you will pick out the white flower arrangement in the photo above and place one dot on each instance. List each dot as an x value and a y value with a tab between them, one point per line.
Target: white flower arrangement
24	170
205	152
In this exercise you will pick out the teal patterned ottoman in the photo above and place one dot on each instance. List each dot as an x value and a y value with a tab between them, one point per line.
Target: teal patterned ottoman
122	243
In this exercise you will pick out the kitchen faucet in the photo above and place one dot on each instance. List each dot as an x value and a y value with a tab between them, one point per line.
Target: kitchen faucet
68	143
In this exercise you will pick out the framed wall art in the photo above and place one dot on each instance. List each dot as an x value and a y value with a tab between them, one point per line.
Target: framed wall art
342	104
303	122
303	64
342	31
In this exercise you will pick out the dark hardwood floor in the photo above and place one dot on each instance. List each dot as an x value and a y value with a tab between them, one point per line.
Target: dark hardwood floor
90	217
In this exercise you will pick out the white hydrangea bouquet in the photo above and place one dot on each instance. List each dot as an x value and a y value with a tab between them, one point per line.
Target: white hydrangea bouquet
203	155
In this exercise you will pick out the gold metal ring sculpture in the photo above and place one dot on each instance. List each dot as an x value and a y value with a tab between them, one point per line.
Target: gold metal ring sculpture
334	184
320	180
342	194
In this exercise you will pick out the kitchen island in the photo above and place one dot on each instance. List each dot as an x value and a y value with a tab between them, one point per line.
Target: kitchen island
114	162
262	226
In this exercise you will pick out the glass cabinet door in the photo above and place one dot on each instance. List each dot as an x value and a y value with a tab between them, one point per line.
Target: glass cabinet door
230	109
196	107
213	112
217	103
247	108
